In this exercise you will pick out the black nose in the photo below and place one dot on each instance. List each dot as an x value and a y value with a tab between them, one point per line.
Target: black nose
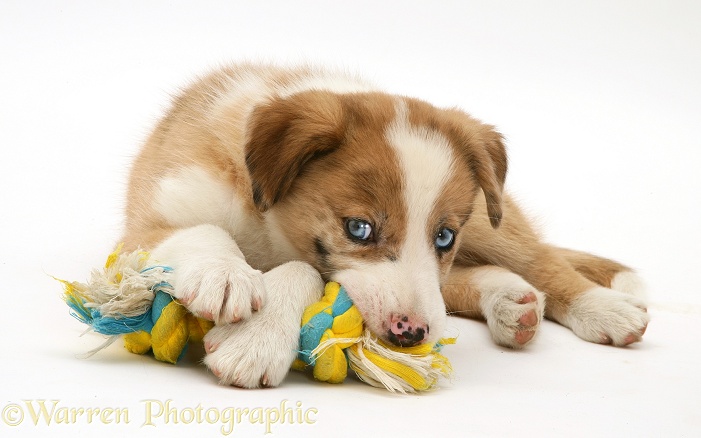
407	338
406	331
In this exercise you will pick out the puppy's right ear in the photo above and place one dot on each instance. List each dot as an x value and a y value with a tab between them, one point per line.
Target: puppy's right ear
284	135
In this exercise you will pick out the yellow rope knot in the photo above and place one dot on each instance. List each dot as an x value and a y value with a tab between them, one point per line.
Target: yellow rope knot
172	330
333	339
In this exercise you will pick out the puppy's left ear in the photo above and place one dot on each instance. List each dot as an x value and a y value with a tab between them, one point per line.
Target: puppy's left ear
284	135
483	148
490	165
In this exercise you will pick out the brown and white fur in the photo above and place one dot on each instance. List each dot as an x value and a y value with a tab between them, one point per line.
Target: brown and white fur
248	185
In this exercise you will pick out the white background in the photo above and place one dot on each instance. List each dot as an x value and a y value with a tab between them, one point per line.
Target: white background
600	102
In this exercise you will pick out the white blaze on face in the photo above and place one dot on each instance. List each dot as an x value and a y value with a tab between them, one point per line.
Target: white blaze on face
426	160
411	284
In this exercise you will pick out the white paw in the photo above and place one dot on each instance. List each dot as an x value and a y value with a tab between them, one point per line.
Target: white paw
254	353
606	316
258	352
513	308
630	283
210	275
219	287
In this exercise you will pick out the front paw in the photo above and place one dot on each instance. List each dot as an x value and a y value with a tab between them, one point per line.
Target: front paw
210	274
222	288
607	316
258	352
513	309
254	353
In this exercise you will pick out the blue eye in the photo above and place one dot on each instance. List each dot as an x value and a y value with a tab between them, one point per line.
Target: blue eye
445	239
359	229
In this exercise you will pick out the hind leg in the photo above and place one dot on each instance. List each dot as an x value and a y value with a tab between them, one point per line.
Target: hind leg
593	311
605	272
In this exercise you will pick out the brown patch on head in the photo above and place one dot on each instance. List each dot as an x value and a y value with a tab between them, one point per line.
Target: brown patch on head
358	179
284	135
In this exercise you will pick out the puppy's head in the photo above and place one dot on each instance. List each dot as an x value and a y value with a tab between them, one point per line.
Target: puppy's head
373	190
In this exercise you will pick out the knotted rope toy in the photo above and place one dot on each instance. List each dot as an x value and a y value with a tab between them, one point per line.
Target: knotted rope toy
333	339
131	297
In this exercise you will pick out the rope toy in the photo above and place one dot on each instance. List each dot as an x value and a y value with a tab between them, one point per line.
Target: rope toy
131	297
333	339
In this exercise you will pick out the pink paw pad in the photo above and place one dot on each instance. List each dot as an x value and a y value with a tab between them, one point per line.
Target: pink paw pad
528	298
210	347
529	319
630	339
524	336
